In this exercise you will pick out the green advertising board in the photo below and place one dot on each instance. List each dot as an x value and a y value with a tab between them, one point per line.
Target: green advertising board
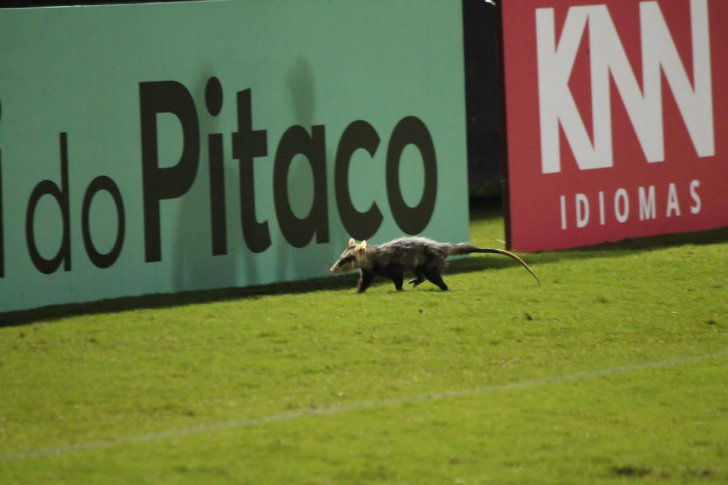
160	148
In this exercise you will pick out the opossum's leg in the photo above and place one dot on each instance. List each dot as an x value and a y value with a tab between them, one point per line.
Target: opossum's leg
365	279
416	281
398	279
435	277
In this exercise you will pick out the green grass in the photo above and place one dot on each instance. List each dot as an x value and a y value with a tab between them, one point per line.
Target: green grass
496	381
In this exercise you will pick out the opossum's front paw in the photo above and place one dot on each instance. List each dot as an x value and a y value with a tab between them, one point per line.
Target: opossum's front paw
415	281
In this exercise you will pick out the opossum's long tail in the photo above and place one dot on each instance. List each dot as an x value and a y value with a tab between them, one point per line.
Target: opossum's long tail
457	249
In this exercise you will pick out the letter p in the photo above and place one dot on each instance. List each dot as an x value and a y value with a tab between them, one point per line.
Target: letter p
169	182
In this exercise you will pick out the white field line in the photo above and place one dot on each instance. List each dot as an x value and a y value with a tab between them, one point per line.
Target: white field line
344	408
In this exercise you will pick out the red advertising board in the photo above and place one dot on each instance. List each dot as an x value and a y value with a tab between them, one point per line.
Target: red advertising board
617	119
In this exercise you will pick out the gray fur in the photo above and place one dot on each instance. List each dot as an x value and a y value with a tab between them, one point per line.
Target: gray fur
425	257
410	252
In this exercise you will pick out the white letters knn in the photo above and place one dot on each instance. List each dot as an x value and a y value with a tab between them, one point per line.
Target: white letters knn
608	59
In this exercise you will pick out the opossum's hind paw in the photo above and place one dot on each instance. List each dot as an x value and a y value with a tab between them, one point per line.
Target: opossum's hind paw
436	279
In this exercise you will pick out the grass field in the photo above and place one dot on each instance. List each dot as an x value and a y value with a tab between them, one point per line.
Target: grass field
615	370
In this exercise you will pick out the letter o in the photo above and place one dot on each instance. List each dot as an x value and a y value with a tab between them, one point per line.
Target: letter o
621	216
98	184
411	131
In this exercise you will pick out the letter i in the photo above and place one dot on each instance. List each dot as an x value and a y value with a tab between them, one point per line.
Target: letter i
2	237
2	234
218	218
563	212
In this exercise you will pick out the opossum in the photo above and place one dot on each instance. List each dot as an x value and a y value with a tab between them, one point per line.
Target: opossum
425	257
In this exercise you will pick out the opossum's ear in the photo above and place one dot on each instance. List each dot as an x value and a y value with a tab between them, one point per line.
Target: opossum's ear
352	243
361	247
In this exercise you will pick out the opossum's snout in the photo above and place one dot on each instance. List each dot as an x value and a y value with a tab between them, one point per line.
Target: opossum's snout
336	268
346	263
340	268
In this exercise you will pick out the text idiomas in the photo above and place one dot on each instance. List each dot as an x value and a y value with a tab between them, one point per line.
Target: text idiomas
247	144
